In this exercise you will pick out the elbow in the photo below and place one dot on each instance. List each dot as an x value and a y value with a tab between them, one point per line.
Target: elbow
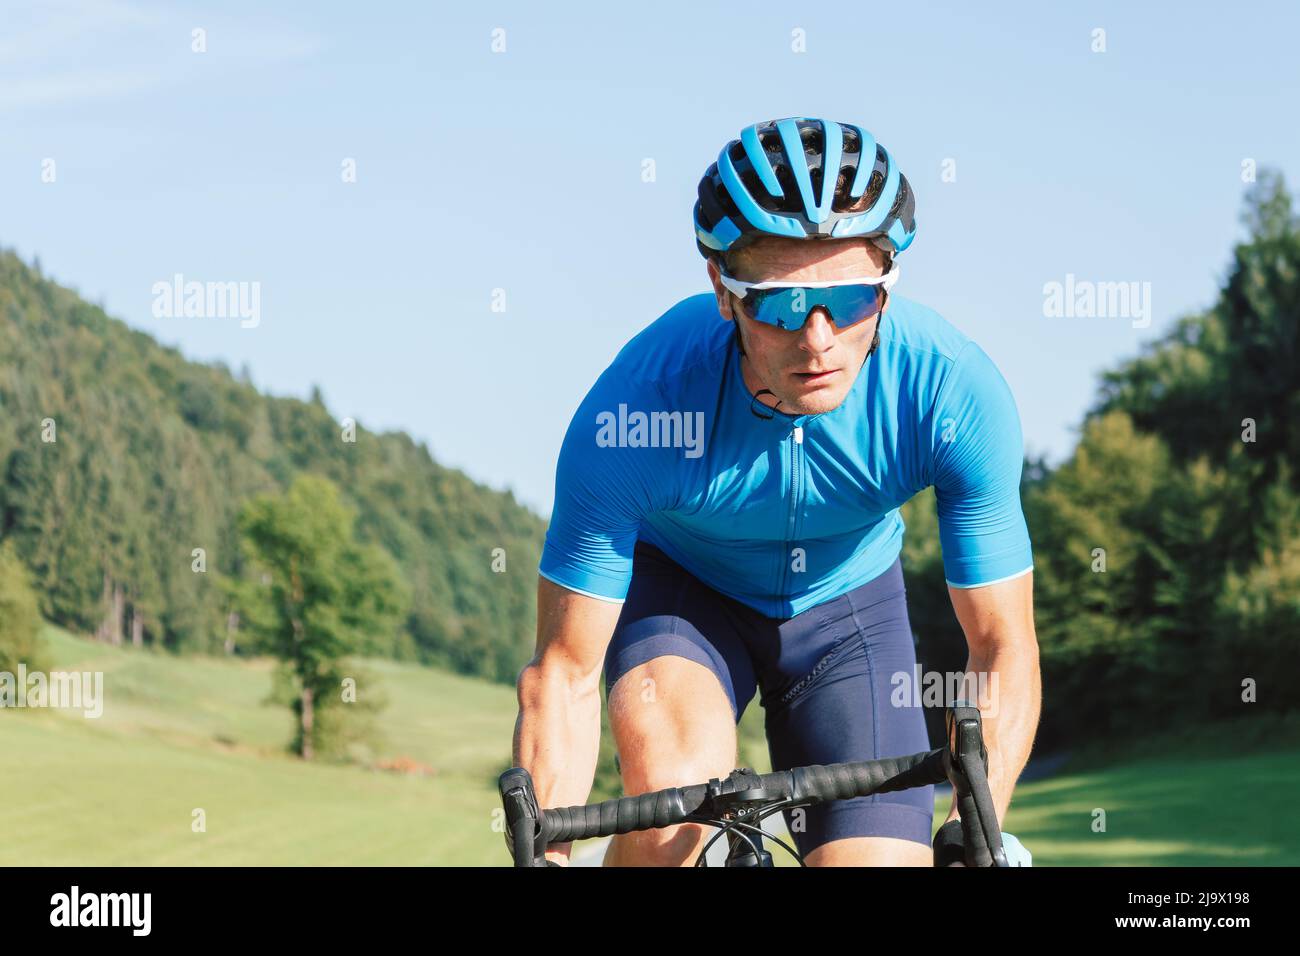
1002	645
1009	648
546	677
530	683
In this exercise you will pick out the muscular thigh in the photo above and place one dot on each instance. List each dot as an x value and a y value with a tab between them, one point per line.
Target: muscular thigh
672	724
828	699
678	678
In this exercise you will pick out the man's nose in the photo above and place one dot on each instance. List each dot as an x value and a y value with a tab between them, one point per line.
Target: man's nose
818	332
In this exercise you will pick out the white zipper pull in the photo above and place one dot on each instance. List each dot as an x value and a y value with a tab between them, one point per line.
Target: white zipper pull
798	434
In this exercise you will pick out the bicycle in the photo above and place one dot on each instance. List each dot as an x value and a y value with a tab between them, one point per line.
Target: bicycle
738	805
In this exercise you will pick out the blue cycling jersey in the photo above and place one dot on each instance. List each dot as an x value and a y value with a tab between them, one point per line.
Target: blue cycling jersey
784	512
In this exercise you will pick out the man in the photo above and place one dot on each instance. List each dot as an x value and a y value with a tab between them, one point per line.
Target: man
726	514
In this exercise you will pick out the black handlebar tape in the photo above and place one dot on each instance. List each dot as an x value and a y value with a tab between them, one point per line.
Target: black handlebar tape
843	781
662	808
968	771
972	832
948	845
522	847
987	850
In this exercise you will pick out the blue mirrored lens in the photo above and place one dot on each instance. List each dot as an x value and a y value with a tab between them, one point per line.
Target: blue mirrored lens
790	308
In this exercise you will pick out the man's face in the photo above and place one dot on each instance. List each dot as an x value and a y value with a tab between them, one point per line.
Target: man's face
810	370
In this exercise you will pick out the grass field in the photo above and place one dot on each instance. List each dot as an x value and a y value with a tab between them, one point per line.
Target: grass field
180	734
184	734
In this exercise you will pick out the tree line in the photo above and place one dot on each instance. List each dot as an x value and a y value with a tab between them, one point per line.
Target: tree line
157	501
1167	546
124	468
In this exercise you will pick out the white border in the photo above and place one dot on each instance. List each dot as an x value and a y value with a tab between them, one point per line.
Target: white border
567	587
984	584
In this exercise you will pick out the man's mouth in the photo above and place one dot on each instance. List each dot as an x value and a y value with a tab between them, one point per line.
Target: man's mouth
811	377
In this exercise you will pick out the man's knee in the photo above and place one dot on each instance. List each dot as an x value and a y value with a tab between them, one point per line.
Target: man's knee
871	851
673	725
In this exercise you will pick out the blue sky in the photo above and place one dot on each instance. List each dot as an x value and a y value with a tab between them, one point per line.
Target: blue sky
479	170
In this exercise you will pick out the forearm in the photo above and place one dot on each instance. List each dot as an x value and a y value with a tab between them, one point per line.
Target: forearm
1010	695
557	735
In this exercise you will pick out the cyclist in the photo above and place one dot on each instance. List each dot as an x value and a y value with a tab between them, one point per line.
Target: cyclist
726	516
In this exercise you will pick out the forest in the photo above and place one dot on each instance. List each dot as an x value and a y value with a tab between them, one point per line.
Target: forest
1167	545
123	468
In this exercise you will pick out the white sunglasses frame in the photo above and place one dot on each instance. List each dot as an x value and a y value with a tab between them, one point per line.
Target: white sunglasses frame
740	287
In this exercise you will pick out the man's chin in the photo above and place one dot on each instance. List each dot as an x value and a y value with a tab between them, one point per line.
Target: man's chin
817	402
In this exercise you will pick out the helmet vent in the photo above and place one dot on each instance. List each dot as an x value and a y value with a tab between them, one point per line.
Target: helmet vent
726	202
900	199
875	186
843	182
789	201
756	189
816	176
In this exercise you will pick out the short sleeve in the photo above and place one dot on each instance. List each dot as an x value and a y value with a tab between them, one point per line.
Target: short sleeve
978	454
604	486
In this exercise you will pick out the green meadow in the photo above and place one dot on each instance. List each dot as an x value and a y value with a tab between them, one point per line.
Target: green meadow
180	735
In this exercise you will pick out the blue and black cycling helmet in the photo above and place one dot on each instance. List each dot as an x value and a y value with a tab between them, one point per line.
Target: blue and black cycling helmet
772	181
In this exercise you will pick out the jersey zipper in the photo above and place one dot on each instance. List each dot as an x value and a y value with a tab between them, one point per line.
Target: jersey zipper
796	492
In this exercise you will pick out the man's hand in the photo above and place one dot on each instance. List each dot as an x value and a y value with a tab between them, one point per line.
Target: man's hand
949	850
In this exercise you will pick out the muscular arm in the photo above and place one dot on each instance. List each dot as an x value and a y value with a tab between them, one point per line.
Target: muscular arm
998	620
978	456
557	735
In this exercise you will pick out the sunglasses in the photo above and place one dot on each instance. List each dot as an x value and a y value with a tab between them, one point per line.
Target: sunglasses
787	305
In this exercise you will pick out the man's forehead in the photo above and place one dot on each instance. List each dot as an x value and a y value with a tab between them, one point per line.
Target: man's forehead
774	251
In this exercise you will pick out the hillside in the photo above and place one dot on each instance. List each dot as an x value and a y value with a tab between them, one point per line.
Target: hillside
151	457
1166	546
185	733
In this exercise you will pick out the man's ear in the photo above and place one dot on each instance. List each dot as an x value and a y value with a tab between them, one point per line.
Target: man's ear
720	291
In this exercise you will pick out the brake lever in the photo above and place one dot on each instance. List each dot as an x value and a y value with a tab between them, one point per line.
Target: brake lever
523	818
967	762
